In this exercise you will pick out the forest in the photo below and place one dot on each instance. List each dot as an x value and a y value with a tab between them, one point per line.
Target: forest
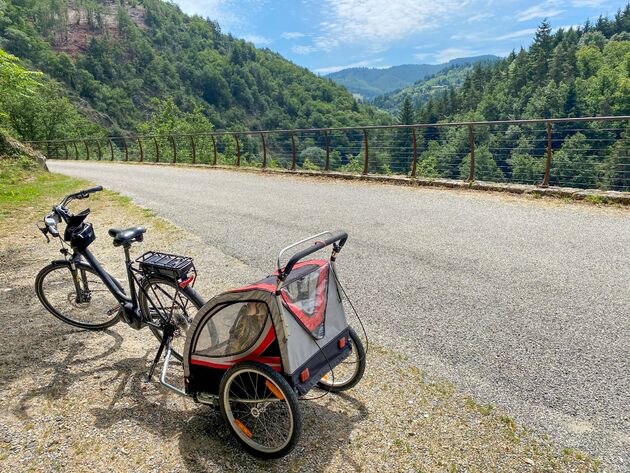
121	62
579	72
88	68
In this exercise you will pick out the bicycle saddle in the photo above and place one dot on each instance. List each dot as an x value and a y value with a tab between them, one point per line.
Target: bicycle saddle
126	236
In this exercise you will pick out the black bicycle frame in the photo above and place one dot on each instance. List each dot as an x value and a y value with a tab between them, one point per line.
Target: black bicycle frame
131	300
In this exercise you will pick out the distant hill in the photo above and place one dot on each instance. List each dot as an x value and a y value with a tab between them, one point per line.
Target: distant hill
421	91
371	82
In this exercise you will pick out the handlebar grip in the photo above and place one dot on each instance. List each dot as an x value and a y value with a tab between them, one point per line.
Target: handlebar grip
339	237
92	190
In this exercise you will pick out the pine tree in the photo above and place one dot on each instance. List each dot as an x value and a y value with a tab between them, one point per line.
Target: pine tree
406	115
402	152
540	52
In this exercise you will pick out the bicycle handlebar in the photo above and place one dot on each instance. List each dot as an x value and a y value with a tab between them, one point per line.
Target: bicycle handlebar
60	212
337	239
80	195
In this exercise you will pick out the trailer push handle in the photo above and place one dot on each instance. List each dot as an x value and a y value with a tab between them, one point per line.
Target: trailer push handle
337	239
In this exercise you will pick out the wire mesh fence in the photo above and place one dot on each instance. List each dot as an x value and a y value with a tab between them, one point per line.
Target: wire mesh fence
584	153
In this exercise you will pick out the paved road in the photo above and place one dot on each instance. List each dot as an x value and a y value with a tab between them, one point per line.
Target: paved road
521	303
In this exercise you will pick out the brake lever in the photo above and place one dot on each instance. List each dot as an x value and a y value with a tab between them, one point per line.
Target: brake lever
44	230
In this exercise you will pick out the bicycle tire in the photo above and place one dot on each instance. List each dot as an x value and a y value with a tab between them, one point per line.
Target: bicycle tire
282	390
359	369
40	290
187	291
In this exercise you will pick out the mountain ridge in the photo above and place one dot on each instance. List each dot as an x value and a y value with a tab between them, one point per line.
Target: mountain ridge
370	82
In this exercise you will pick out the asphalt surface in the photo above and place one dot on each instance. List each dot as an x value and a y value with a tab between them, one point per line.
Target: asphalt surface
521	303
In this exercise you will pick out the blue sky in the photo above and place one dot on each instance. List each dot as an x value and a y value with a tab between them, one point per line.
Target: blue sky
328	35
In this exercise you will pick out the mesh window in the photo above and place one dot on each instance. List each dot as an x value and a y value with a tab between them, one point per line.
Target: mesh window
306	299
232	330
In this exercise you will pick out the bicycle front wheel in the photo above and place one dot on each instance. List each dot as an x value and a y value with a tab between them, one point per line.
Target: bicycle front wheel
77	297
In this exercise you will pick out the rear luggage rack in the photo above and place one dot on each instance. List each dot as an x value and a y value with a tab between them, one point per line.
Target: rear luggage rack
163	264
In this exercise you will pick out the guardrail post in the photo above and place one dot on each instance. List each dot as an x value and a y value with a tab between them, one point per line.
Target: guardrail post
124	141
471	143
76	151
366	160
264	145
293	154
545	182
327	142
111	148
194	149
238	151
214	147
65	148
157	149
47	149
56	150
99	150
174	146
141	150
87	150
414	164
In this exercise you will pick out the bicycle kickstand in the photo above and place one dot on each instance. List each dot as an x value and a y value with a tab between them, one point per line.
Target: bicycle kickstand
166	339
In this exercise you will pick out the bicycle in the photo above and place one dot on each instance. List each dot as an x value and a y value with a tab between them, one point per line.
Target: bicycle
80	292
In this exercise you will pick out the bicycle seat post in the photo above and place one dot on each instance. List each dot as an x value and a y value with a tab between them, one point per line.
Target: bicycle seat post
130	278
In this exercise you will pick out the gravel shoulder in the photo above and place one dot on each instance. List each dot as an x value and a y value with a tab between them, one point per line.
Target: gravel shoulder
72	400
518	301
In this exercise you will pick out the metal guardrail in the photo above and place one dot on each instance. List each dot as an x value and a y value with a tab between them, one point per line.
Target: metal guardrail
587	152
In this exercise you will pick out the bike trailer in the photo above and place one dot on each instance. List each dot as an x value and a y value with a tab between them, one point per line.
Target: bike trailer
294	322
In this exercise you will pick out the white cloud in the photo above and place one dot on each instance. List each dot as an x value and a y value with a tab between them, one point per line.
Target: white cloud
208	8
467	37
542	10
588	3
375	23
479	17
227	12
292	35
331	69
303	50
517	34
421	56
447	54
257	39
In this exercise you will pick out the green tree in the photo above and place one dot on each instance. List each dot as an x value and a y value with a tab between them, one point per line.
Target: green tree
540	52
526	168
572	165
402	148
312	158
486	168
617	165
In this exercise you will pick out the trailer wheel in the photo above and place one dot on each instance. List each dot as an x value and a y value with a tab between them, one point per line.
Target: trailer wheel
261	409
349	372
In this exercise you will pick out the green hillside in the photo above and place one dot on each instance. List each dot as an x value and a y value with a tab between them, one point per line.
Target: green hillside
372	82
121	63
570	73
421	91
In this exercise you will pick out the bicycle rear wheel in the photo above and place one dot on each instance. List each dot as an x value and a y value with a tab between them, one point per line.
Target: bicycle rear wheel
163	301
79	298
